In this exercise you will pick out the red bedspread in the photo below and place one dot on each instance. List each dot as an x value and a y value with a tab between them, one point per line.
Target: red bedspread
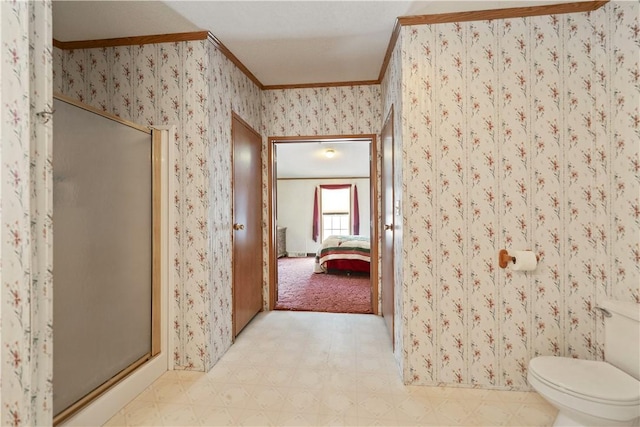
344	253
354	265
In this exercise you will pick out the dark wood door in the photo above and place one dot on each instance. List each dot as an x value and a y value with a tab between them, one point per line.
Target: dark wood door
388	228
247	224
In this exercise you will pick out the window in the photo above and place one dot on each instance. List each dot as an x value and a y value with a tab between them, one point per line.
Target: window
336	211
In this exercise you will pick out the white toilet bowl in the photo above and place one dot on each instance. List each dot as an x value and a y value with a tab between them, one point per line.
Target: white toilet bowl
594	393
586	392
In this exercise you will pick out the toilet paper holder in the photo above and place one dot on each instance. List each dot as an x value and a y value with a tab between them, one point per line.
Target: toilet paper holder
504	258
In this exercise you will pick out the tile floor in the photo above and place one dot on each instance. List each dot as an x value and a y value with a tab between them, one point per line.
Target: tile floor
307	369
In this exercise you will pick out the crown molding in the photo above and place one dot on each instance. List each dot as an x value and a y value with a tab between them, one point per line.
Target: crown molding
319	85
159	38
131	41
390	47
484	15
231	57
506	13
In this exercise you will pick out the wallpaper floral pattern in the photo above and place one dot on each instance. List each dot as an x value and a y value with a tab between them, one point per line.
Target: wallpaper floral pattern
516	133
25	166
345	110
192	86
195	87
519	133
106	79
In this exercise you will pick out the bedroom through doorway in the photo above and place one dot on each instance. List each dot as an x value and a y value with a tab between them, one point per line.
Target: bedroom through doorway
322	224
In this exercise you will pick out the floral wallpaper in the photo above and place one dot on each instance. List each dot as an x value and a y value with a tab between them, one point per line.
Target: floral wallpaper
26	248
344	110
195	87
230	90
192	86
517	134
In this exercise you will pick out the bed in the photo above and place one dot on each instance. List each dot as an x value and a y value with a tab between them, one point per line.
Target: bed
344	254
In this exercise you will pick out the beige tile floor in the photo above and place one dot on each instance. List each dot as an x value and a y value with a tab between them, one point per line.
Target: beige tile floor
308	369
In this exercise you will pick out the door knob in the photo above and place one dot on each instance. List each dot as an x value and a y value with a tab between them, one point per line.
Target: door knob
388	227
238	226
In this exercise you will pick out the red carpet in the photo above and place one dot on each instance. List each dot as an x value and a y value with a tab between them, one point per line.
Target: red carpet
299	288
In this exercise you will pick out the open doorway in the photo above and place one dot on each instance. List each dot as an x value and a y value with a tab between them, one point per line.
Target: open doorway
322	228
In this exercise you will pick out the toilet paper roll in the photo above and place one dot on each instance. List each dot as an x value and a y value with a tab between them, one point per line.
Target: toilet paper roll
525	261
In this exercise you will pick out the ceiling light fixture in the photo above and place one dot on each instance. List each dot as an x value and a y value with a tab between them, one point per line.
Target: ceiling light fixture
330	153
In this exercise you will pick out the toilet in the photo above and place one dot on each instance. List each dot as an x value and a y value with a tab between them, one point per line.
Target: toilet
594	393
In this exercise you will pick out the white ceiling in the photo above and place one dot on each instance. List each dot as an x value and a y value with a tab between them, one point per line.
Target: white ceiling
280	42
95	20
307	160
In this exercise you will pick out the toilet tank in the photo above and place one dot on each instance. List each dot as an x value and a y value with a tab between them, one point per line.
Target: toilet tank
622	336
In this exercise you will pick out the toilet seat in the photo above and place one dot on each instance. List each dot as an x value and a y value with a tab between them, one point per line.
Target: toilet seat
598	382
587	387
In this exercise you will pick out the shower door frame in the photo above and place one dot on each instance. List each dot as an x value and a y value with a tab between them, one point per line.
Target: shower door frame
156	261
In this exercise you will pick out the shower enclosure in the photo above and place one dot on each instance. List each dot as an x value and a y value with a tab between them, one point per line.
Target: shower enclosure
106	252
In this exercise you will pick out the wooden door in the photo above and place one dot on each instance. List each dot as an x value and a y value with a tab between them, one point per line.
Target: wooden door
387	257
247	224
